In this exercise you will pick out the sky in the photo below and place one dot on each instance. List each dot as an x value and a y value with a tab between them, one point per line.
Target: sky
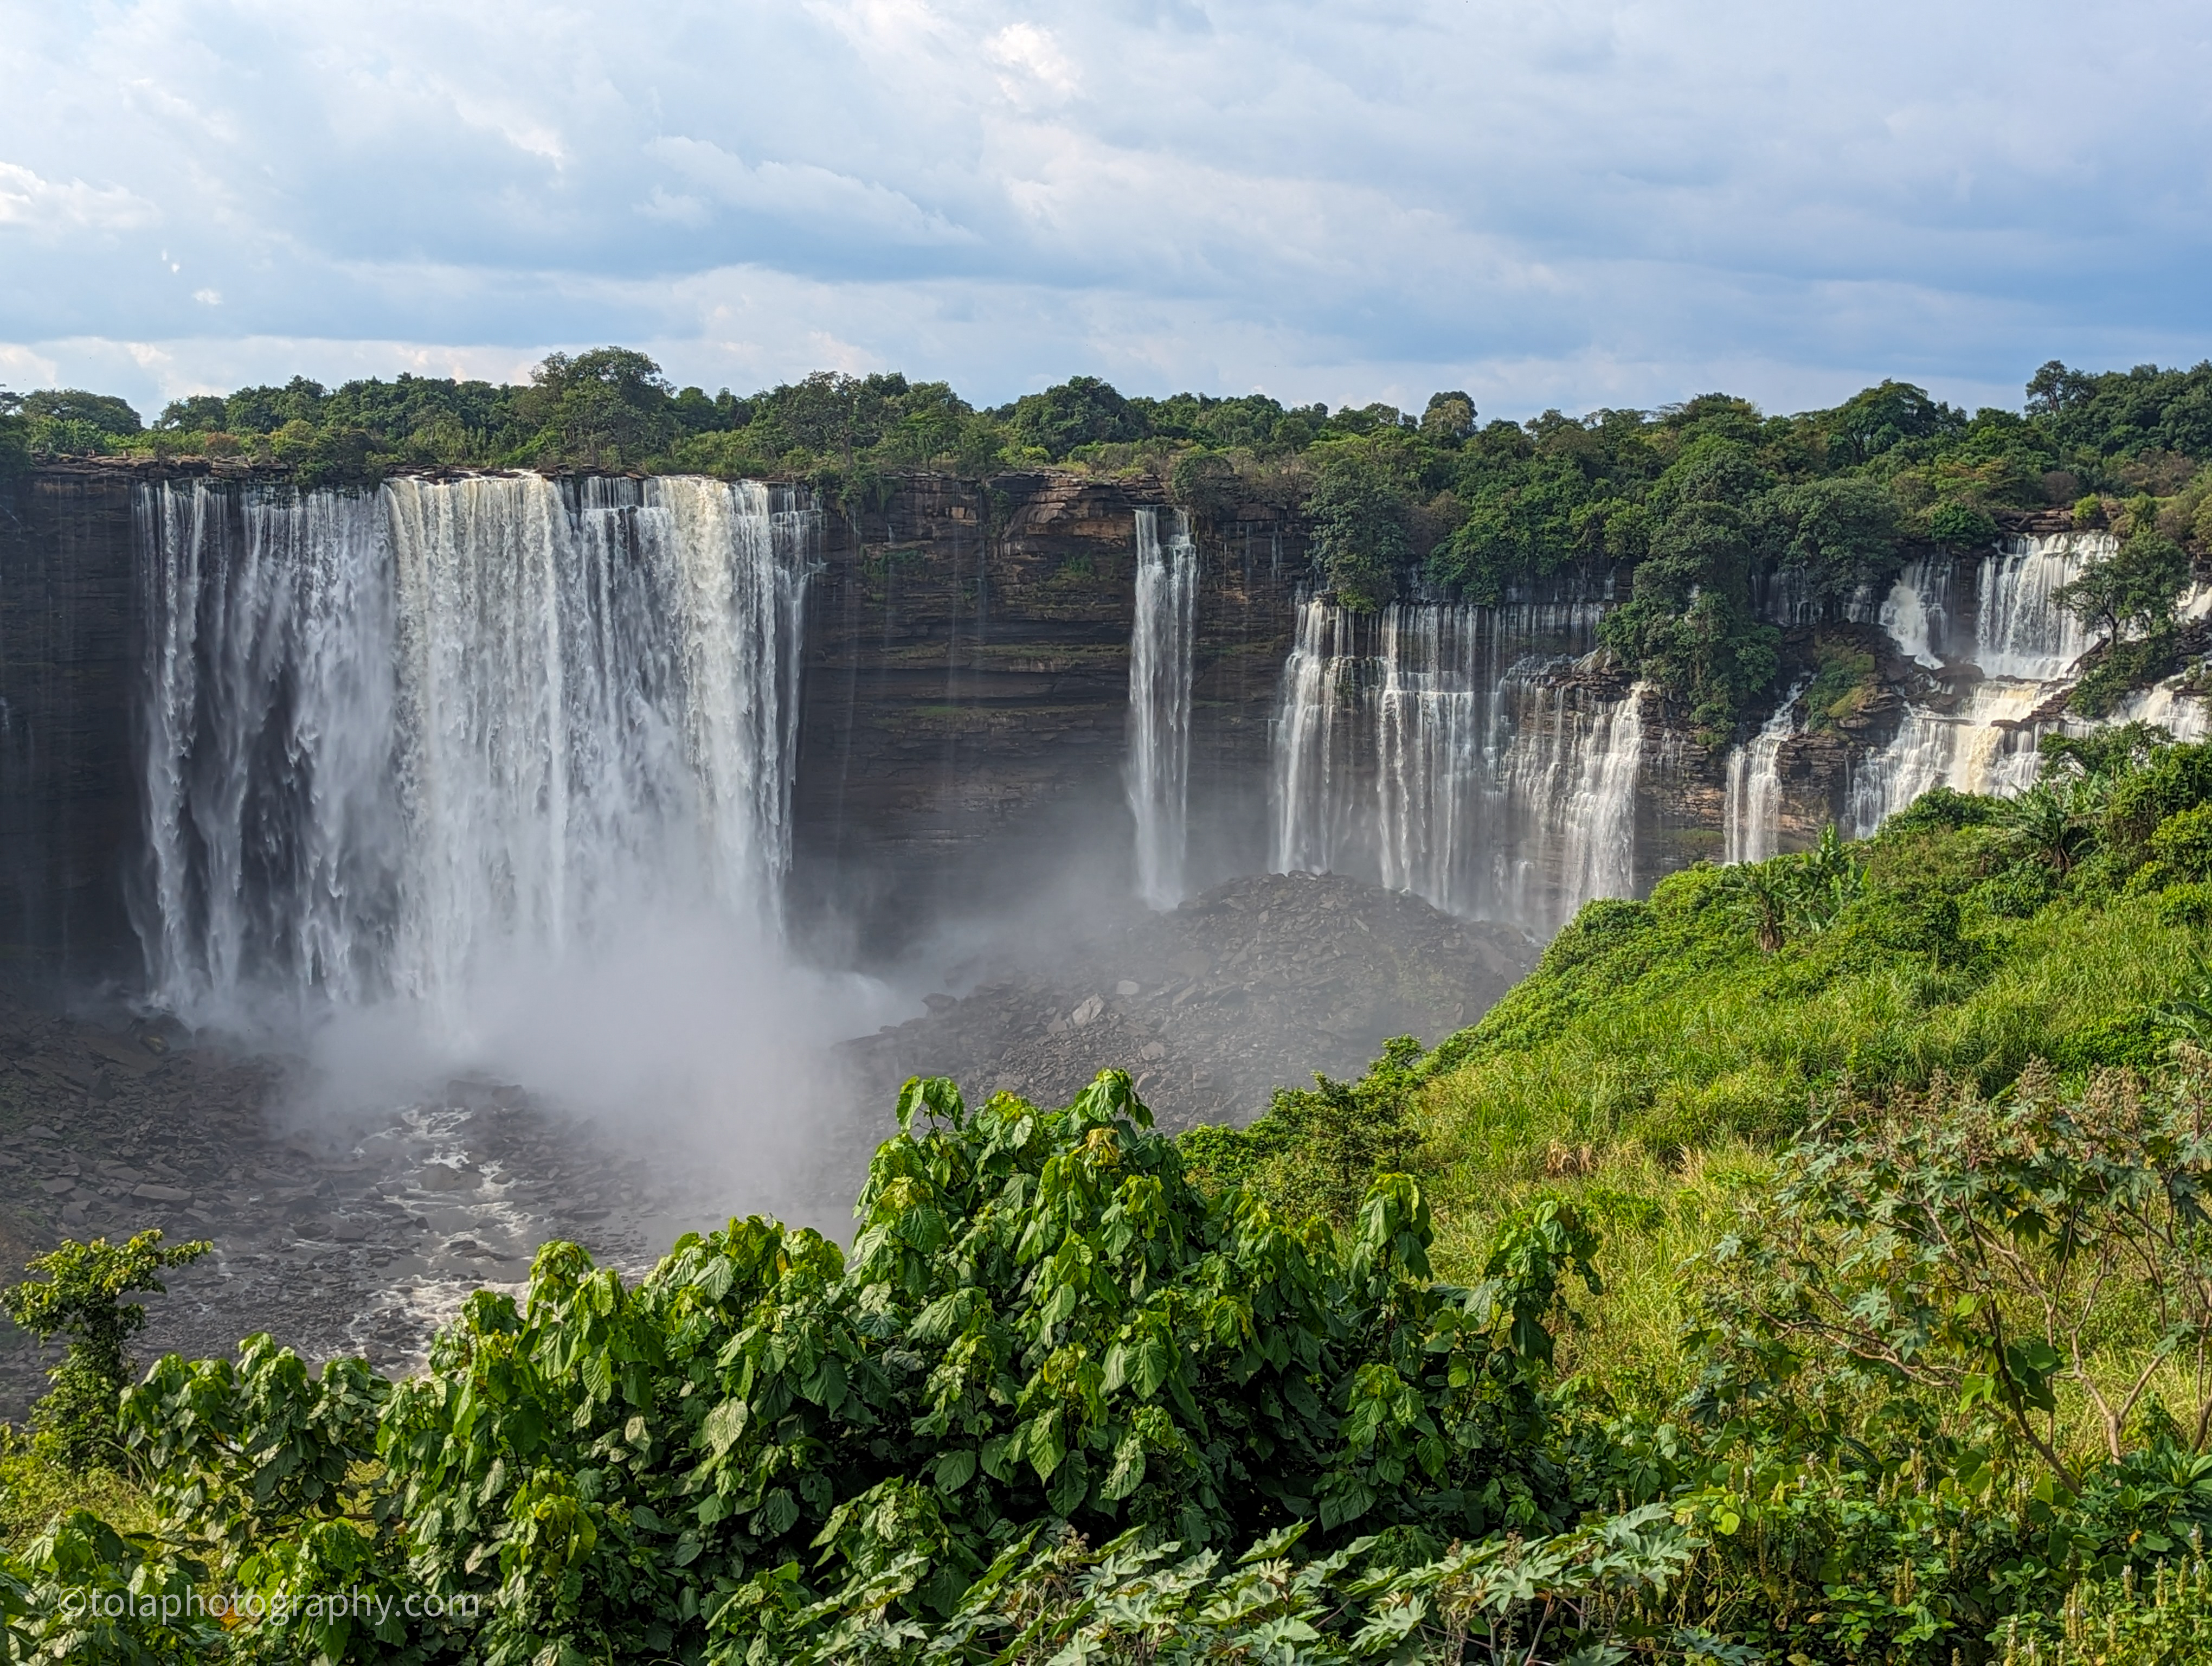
1566	205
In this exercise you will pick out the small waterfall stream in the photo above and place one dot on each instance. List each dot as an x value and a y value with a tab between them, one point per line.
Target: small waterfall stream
2006	672
393	738
1917	612
1158	774
1754	787
1445	750
2020	630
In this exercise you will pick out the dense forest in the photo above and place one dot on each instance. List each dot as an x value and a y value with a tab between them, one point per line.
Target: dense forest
1698	500
1811	1263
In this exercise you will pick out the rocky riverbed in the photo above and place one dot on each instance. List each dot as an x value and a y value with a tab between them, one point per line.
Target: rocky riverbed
1255	985
353	1237
361	1234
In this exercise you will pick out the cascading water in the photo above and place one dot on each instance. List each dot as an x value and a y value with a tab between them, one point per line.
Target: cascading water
396	739
1158	770
1754	787
2020	629
1917	612
1986	744
1440	749
1980	736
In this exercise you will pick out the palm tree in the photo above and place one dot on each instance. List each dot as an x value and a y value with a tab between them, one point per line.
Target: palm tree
2056	818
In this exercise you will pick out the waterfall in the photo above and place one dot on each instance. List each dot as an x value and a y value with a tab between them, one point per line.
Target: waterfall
1158	771
2187	717
393	739
1575	767
2020	631
1979	733
1917	612
1986	745
1450	751
1754	786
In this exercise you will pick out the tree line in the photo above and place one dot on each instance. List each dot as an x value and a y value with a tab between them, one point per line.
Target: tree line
1697	502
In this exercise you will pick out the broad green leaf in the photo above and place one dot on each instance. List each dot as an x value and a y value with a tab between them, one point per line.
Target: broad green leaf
1128	1471
724	1425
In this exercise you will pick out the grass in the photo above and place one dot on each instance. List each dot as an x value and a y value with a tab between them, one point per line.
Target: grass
34	1488
1671	1044
1656	1058
1624	1344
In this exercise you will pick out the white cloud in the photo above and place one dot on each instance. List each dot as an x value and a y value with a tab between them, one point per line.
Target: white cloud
1577	204
53	207
21	367
1037	71
799	193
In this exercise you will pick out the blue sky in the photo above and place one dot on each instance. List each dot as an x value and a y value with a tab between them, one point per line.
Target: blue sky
1548	204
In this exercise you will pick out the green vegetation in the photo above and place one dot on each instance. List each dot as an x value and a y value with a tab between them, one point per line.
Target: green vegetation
2130	597
79	1293
1054	1393
1700	499
1810	1264
1898	1153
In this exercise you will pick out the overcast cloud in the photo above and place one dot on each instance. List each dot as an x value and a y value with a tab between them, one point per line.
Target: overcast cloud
1548	204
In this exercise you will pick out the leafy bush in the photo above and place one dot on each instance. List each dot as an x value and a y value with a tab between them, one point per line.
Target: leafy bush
2183	844
1843	683
1319	1149
1962	525
1970	1251
79	1294
1042	1328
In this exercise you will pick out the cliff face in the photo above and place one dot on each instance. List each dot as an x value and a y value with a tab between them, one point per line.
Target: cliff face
962	732
967	685
961	728
69	663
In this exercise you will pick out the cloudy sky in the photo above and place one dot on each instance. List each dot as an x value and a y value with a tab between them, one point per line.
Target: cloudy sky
1570	205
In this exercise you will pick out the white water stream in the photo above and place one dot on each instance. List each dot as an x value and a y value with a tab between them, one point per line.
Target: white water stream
397	739
1753	807
1158	774
2007	669
1445	750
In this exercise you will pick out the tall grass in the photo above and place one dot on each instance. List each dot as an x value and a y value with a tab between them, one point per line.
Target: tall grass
1657	1056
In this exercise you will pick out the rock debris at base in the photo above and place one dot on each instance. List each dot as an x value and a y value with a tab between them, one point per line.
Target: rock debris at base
1256	984
358	1241
362	1235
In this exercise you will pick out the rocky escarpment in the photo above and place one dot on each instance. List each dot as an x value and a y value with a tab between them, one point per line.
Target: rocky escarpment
963	726
963	734
961	731
69	661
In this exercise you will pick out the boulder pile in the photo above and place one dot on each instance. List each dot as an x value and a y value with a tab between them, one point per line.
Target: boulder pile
1254	985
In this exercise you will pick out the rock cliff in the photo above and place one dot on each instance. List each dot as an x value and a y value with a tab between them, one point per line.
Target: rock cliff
967	685
69	659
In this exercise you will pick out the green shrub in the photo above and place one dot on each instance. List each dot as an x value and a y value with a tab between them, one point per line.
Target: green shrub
2182	843
2124	668
1043	1326
1961	525
1942	809
2017	892
1843	683
79	1294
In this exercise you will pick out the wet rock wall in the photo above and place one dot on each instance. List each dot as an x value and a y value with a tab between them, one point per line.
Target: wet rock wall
962	721
963	724
69	658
